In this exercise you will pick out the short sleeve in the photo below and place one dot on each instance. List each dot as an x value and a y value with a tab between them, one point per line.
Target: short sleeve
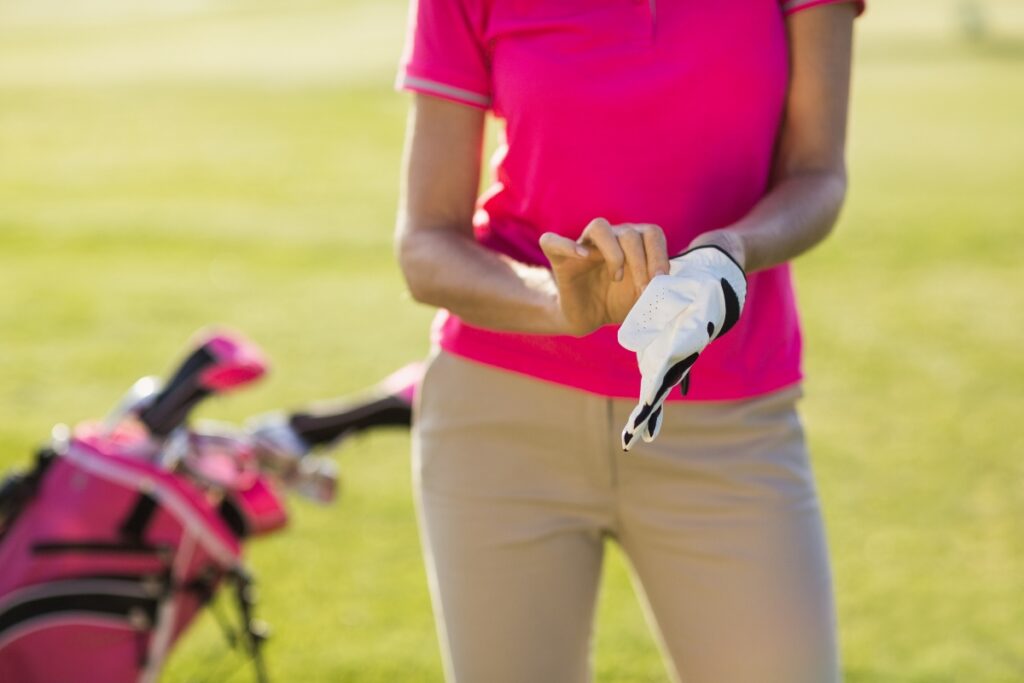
444	52
793	6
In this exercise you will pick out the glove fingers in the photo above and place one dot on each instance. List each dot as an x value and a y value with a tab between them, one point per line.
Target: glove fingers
652	376
646	417
653	425
654	422
627	439
629	432
645	420
637	423
660	372
687	336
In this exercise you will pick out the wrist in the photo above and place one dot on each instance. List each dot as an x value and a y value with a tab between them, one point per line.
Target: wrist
554	319
728	241
565	324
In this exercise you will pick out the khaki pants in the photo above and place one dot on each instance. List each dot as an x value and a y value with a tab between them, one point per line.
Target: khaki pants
519	482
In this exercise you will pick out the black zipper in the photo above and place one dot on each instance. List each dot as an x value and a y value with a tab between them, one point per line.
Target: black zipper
95	546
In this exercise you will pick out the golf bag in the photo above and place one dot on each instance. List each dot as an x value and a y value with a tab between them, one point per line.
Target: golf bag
122	531
110	544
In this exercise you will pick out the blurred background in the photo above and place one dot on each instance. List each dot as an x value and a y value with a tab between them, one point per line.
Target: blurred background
165	164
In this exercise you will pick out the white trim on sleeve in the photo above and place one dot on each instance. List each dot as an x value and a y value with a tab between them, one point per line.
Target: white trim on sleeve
426	85
793	5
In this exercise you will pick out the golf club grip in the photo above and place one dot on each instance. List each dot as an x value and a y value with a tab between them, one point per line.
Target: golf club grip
319	429
181	393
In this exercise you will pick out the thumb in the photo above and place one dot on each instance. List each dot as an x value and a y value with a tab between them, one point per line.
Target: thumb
558	248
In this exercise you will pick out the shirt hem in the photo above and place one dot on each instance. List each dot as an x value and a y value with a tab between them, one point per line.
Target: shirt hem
612	388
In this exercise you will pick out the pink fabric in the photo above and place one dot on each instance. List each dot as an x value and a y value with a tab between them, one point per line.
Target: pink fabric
637	111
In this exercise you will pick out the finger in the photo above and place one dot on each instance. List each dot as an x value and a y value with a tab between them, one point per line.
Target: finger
643	415
628	433
649	400
632	245
640	423
600	234
656	249
651	315
556	247
627	439
645	418
657	312
652	377
653	425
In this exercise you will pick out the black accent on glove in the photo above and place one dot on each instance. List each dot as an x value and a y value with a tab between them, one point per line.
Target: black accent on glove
732	307
642	415
675	375
732	302
652	425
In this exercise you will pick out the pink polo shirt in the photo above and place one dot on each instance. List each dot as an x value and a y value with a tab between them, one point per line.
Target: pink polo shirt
641	111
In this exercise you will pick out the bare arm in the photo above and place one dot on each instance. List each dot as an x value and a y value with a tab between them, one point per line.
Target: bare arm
442	263
809	182
596	279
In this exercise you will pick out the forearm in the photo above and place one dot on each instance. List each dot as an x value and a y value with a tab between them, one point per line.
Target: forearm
450	270
797	214
810	178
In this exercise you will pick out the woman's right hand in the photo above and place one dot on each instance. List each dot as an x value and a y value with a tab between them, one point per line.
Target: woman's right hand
600	276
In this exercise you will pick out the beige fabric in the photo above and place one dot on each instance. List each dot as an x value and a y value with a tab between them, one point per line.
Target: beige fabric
519	483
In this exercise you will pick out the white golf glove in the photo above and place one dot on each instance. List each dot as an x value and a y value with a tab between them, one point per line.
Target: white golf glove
670	324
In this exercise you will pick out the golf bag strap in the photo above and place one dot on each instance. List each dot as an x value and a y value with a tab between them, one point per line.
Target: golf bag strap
18	488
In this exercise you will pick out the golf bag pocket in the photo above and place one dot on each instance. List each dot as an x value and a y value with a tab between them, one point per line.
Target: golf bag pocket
109	621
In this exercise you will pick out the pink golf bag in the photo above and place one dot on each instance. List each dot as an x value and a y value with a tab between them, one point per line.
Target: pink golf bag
122	532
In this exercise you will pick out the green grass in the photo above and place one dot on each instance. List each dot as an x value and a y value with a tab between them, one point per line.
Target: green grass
166	166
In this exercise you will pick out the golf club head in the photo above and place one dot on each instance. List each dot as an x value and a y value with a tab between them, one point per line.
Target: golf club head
220	362
282	452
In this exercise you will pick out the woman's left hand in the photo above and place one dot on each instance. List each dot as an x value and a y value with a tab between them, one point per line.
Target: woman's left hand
600	276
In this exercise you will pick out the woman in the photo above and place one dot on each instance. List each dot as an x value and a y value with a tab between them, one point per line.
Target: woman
633	130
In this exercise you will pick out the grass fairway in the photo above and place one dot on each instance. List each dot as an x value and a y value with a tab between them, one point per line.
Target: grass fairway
168	165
